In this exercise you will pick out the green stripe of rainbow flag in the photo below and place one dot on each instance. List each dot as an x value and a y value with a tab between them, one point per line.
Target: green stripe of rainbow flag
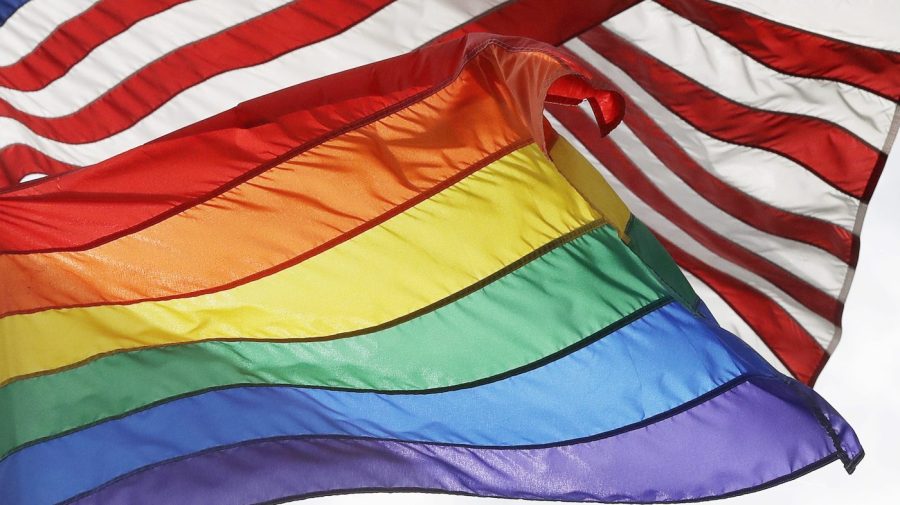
410	284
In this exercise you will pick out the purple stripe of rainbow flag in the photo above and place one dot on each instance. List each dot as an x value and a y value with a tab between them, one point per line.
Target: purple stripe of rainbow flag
470	309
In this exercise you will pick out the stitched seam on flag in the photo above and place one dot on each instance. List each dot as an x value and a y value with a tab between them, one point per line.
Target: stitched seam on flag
814	34
556	42
536	253
831	312
822	362
811	297
309	253
672	291
882	159
752	199
190	44
528	367
59	30
125	28
851	264
639	133
739	104
738	217
122	81
155	108
822	419
425	490
666	5
857	229
719	390
732	306
623	235
259	62
745	286
741	316
287	155
803	291
492	10
597	74
614	13
709	395
733	142
892	131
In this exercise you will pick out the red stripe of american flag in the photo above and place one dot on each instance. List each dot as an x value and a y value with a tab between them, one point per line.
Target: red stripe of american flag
830	151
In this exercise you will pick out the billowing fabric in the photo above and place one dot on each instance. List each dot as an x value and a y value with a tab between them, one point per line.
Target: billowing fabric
396	277
756	135
612	469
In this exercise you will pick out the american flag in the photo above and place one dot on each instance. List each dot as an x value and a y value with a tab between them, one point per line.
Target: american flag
754	136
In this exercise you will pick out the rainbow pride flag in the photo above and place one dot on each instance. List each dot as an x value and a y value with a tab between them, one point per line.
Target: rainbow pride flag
393	278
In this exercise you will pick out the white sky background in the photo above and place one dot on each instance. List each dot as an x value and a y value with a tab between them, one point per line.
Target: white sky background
861	381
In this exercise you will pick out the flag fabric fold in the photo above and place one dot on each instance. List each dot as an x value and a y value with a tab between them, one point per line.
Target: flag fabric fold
755	137
756	134
397	277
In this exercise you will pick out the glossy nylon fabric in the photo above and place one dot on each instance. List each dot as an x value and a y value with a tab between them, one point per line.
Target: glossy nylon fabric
540	308
325	194
655	363
587	180
459	236
762	424
53	53
591	185
248	139
665	361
